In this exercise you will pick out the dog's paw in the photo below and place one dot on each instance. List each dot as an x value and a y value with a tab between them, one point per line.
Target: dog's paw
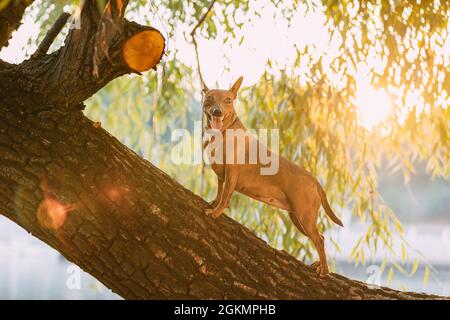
324	273
212	213
320	270
211	204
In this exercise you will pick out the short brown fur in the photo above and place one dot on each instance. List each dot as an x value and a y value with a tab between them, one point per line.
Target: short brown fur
292	188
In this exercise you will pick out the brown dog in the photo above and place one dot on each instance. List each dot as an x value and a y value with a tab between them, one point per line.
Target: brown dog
291	188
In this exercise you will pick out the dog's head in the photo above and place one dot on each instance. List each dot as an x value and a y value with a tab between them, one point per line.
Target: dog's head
218	105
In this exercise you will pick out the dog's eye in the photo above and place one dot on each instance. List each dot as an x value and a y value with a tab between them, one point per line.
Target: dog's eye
209	100
228	100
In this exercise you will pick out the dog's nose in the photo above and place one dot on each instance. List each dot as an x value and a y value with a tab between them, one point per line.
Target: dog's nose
216	112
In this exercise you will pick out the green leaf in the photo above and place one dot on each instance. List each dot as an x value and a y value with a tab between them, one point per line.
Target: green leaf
426	276
390	276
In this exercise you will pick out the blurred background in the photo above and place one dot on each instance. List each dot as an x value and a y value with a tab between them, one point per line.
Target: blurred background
359	92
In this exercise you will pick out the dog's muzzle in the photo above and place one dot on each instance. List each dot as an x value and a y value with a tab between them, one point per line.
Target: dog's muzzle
216	112
215	118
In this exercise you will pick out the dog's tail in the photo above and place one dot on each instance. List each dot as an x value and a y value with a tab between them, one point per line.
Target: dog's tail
326	205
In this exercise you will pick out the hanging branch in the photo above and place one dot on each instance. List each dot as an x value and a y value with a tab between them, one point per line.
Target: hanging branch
202	82
194	40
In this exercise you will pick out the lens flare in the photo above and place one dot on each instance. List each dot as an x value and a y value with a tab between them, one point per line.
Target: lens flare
114	194
120	195
52	213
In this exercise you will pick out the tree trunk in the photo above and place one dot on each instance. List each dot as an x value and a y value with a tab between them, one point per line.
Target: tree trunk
75	187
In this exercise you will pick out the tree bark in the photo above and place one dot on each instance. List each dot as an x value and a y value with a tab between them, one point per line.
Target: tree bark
74	186
10	17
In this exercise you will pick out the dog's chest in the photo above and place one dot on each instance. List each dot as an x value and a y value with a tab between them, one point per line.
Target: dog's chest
217	151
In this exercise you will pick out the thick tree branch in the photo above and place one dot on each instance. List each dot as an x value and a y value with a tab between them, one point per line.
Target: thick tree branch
135	229
10	18
93	54
115	9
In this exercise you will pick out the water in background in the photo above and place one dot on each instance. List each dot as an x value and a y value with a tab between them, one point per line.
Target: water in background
30	269
429	243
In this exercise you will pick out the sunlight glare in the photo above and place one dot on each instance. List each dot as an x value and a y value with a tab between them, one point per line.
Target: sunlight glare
374	105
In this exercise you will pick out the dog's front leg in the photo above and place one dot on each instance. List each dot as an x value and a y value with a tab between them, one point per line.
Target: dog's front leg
231	177
214	203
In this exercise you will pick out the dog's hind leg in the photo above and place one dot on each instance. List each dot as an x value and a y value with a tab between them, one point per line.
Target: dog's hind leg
307	213
294	219
319	243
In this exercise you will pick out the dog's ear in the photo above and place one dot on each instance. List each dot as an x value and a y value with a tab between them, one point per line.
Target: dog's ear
205	89
235	87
